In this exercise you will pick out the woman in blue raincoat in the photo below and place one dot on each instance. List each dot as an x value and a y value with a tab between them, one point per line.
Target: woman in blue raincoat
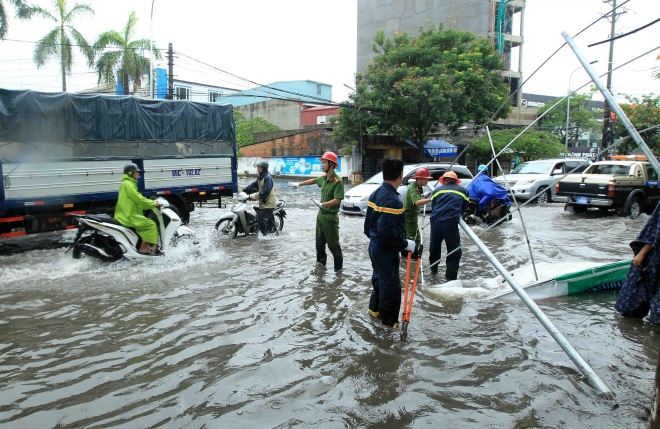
639	294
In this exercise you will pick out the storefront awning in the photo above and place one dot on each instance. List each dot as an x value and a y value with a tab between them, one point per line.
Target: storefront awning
439	148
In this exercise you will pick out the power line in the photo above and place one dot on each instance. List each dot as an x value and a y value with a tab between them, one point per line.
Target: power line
624	35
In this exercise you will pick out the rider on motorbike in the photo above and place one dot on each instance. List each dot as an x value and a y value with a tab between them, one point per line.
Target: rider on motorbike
266	196
130	206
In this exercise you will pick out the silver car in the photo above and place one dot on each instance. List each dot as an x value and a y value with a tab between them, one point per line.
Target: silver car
529	178
356	199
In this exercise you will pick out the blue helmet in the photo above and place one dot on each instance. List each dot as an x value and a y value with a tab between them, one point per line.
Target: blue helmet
482	167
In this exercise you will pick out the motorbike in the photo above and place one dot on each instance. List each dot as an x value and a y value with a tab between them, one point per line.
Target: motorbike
492	213
241	220
102	236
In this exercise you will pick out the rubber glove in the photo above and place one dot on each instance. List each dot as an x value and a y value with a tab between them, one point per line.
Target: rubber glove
294	184
318	203
426	194
411	246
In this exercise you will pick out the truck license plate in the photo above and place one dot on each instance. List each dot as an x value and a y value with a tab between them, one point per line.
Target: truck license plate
348	205
582	200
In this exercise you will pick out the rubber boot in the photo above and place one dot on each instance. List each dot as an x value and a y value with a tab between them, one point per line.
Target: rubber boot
321	259
339	264
451	275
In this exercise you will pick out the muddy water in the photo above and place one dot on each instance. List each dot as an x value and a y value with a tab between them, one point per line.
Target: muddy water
249	333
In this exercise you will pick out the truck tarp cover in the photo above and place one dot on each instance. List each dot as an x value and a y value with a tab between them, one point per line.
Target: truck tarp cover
38	117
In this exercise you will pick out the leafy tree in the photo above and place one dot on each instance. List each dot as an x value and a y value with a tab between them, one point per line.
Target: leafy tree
245	128
580	119
60	40
4	20
415	84
127	58
643	112
531	145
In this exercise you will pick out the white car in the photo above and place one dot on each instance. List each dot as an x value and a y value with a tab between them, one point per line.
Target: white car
356	199
529	178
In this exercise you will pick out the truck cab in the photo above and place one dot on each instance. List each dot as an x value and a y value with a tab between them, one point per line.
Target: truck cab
627	184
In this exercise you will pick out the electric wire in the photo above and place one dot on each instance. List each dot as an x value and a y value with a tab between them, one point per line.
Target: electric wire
624	35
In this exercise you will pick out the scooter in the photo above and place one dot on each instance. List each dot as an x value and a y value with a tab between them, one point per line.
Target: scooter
489	215
240	220
104	237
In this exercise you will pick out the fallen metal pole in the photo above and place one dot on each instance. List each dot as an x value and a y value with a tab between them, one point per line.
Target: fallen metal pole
573	354
613	104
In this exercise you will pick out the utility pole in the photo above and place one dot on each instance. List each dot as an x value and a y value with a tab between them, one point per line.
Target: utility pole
608	136
170	73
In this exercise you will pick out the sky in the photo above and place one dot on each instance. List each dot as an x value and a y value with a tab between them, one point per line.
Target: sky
266	41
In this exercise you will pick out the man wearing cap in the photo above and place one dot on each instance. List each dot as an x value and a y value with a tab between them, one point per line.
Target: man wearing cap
450	200
262	190
411	204
327	220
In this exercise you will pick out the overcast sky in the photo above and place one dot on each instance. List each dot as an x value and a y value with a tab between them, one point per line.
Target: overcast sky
267	41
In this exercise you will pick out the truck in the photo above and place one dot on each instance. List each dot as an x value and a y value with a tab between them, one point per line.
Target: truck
627	184
64	154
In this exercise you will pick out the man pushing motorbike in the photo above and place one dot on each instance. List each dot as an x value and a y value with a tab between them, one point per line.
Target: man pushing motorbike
130	206
263	188
327	221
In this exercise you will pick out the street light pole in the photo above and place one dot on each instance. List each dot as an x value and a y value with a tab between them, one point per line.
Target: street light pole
151	52
568	103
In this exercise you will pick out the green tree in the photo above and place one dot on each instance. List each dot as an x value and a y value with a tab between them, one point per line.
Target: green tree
413	85
531	145
4	17
60	40
245	128
127	58
580	118
643	112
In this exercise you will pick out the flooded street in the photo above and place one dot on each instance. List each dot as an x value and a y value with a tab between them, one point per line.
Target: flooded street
250	333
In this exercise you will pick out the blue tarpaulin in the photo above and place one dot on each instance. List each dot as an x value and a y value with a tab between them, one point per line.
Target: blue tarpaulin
486	190
439	148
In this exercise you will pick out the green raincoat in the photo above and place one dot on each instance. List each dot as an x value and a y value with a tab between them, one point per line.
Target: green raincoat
411	213
130	206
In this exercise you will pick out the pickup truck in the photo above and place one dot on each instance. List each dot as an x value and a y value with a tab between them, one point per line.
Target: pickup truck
629	186
64	154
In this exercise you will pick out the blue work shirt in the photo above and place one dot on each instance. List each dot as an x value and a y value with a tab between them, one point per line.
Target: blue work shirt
449	203
385	224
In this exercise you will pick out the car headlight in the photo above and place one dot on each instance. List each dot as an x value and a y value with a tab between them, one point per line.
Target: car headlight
526	182
365	198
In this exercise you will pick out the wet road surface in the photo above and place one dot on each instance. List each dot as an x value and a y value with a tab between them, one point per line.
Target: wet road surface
249	333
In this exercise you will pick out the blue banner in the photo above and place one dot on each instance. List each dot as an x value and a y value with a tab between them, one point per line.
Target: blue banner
304	165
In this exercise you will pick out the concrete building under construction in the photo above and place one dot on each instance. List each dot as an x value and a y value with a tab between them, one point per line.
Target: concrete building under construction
499	20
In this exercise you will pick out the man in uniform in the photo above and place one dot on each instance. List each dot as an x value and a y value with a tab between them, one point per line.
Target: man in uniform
450	200
327	220
266	196
384	225
130	206
411	204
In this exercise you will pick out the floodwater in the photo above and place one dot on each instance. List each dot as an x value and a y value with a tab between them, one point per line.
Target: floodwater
248	333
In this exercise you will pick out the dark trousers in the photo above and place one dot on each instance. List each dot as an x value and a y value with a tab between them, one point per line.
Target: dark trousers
266	220
386	293
447	232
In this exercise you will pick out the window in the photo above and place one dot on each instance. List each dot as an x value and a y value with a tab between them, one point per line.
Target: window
558	166
214	95
318	88
182	93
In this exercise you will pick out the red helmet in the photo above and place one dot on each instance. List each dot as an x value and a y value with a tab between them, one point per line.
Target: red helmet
330	156
423	173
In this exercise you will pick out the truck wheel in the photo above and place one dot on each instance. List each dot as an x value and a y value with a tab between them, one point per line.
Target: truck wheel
544	197
636	207
226	228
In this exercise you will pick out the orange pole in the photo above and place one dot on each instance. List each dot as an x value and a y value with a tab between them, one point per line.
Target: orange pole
405	293
412	292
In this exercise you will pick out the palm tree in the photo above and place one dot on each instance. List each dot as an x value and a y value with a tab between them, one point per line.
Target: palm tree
58	42
127	58
3	16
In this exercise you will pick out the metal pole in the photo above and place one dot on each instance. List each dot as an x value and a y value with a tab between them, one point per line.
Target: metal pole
529	245
613	104
573	354
151	52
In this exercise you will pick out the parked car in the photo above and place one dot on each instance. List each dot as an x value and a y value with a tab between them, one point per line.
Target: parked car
529	178
627	184
356	199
